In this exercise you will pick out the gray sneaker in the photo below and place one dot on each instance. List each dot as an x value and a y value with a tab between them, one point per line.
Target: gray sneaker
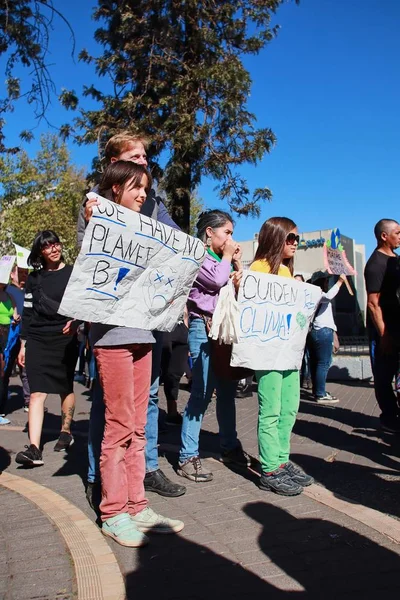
280	482
193	470
148	521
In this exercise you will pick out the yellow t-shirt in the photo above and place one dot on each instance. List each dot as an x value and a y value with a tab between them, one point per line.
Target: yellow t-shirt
263	267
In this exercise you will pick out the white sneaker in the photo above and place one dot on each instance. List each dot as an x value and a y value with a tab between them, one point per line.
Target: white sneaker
327	399
4	421
149	521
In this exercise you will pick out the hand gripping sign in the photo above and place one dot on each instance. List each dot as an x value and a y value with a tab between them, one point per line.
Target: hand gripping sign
335	259
274	318
131	271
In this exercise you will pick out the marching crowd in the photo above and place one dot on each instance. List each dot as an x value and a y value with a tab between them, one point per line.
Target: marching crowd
126	362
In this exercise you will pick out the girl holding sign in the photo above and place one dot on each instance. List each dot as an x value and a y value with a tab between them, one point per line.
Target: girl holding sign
278	391
215	228
124	357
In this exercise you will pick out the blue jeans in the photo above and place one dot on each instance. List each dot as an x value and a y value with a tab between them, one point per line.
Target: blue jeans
320	344
204	381
384	368
151	449
96	431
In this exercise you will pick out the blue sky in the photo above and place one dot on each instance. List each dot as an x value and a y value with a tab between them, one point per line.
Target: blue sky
328	86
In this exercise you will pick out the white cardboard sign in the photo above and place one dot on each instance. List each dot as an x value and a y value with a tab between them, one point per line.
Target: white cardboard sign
22	256
274	318
6	266
131	271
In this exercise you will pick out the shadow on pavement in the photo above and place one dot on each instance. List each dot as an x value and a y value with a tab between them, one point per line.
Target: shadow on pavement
338	413
5	459
325	560
332	437
372	487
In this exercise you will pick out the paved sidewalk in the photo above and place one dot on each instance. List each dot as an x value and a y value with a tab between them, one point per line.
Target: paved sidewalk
241	542
27	539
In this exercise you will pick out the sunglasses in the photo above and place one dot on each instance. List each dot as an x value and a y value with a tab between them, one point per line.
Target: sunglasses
49	247
291	238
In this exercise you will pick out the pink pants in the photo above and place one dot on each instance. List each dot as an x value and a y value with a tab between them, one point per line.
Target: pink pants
125	377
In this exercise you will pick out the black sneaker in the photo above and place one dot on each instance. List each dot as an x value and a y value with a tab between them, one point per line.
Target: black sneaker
31	457
158	482
297	474
245	392
64	442
174	419
93	494
236	457
192	469
390	424
281	483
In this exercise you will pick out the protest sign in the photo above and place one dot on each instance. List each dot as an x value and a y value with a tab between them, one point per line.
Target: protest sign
335	258
131	271
22	256
6	265
274	318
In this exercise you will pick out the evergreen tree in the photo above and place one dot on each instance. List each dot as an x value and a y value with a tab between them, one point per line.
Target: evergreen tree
178	76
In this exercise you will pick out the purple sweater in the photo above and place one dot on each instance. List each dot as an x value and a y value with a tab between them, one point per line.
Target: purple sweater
203	296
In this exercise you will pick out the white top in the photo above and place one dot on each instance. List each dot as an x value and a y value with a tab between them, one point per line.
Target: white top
324	315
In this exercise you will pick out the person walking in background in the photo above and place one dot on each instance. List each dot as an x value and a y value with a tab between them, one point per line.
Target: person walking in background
126	146
382	280
16	289
123	356
320	338
278	391
48	344
215	229
8	317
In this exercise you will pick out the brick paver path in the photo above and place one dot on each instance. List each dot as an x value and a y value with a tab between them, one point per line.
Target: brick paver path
240	542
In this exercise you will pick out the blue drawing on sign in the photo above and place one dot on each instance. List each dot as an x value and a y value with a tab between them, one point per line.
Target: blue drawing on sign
308	303
107	219
160	291
102	293
122	272
151	237
127	262
196	262
264	324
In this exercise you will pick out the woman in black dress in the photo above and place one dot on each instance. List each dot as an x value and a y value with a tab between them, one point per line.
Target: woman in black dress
48	343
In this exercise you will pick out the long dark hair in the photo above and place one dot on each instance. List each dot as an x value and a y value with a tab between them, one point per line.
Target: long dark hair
35	258
271	243
214	219
119	173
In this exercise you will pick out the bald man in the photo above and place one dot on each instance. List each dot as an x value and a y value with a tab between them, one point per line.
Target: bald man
382	280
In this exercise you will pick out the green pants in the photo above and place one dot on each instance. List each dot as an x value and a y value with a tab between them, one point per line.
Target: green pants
278	399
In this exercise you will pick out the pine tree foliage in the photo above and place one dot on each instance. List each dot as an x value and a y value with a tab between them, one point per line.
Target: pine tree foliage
177	75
